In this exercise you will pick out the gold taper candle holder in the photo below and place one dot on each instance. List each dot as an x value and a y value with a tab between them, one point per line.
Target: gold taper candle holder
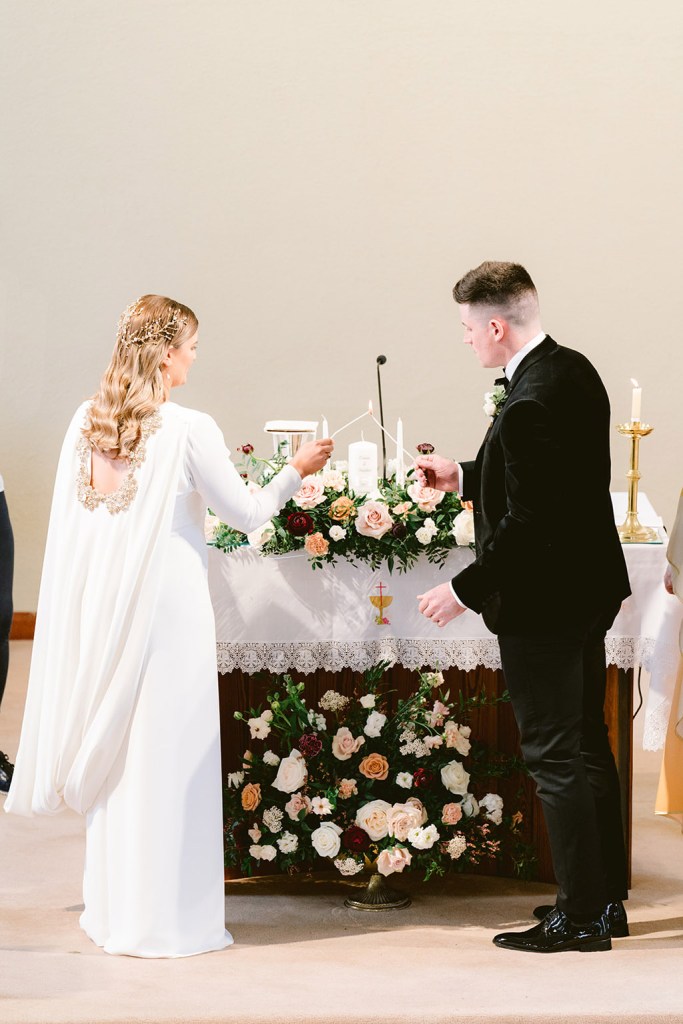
631	531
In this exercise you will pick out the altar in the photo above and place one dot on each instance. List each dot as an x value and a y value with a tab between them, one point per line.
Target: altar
275	615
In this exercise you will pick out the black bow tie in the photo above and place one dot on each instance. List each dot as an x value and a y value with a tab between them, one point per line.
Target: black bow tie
504	382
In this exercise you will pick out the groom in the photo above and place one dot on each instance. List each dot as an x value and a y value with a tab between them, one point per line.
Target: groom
548	589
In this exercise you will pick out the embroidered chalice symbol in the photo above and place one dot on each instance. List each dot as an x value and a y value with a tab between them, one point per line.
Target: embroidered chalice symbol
381	601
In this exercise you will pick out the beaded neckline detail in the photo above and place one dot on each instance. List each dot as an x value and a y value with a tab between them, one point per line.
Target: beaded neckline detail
121	499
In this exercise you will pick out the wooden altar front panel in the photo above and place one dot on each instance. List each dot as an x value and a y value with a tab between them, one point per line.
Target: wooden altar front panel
494	726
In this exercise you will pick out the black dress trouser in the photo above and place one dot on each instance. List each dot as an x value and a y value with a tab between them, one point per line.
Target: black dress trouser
557	688
6	575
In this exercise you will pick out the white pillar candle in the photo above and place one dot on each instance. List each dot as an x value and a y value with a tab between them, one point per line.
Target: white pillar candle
400	467
326	433
363	467
635	401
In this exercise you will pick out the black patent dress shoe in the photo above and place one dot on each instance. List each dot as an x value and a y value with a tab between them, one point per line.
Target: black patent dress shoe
557	934
6	772
615	914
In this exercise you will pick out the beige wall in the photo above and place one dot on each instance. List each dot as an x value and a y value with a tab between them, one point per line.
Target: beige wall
312	176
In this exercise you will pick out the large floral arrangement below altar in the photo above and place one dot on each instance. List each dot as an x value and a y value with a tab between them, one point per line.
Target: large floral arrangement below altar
393	523
350	783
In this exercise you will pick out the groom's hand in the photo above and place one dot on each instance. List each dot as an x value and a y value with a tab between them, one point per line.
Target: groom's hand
435	471
439	605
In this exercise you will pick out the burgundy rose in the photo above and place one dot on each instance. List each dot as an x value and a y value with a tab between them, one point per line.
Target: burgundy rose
310	744
299	524
356	839
425	448
247	449
422	778
399	530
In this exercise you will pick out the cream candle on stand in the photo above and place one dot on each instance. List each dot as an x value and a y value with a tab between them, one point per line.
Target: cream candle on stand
400	467
363	465
636	401
326	433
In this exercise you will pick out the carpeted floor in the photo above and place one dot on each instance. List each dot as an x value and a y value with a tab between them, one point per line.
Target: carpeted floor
301	956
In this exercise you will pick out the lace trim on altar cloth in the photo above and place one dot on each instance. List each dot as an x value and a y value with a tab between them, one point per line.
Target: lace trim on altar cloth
360	655
656	725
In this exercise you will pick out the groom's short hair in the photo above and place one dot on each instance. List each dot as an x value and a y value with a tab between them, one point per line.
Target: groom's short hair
505	287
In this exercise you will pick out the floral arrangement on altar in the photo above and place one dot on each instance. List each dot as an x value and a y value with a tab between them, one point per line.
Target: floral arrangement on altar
353	784
325	518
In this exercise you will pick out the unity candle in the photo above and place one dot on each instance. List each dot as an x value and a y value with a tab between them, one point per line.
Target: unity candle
363	467
635	401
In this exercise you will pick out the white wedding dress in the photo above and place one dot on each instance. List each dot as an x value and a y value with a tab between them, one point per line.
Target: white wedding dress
121	720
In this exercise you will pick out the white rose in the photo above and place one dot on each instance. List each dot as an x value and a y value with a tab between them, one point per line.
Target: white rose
404	780
257	538
463	528
470	807
288	842
392	467
372	817
430	525
493	806
424	535
455	778
465	731
423	838
270	757
211	524
267	715
489	404
333	479
311	492
337	533
255	852
292	773
268	853
368	700
325	840
374	724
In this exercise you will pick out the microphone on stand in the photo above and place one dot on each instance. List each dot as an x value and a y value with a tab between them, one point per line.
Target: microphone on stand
381	360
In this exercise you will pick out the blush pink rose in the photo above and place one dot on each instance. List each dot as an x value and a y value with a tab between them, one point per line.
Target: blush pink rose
297	803
420	806
373	519
344	745
311	492
451	814
426	498
402	819
394	859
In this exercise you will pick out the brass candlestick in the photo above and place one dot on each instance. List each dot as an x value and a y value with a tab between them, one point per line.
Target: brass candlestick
631	531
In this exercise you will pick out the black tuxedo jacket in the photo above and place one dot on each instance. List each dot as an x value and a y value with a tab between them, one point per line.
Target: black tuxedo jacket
549	558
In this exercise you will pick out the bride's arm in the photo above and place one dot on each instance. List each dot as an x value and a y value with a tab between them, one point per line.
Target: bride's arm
223	489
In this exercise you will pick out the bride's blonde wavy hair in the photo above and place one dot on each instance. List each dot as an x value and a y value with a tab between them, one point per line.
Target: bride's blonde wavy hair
132	387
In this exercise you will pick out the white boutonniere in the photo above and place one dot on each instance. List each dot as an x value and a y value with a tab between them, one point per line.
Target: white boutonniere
494	401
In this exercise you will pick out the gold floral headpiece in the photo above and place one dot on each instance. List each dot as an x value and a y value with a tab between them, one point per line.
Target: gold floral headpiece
152	330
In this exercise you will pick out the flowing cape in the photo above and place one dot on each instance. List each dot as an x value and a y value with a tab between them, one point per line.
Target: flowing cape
98	594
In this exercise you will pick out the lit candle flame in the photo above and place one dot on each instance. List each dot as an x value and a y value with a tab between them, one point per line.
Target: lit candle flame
370	407
635	383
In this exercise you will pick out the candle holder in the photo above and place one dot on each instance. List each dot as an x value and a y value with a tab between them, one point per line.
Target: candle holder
631	531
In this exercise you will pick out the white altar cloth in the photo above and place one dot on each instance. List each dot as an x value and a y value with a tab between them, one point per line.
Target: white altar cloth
276	613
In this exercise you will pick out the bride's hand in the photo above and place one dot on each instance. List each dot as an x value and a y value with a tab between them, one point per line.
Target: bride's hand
312	456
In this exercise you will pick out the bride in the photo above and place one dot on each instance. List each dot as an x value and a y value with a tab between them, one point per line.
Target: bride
121	720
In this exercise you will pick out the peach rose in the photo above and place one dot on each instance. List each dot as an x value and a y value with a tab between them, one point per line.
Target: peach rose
374	766
251	796
403	508
401	819
316	544
394	859
311	492
451	814
420	806
297	803
347	788
427	498
372	817
373	519
344	745
342	509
